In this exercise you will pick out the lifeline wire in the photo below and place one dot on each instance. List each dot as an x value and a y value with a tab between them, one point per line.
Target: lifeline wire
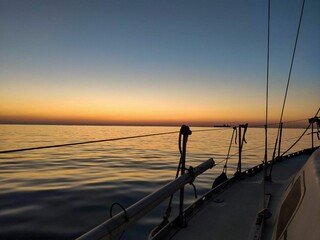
123	138
86	142
300	136
101	140
276	123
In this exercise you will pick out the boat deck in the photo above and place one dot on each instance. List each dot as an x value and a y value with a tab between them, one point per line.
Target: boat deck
233	211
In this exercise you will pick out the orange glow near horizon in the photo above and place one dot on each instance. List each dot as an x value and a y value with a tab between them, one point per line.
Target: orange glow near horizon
156	103
139	114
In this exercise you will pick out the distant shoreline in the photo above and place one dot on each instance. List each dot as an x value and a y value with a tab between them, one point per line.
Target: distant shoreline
273	125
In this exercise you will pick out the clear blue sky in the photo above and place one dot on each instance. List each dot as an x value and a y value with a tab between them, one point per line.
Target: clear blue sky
155	62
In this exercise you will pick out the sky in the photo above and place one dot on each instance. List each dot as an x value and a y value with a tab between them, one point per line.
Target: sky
156	62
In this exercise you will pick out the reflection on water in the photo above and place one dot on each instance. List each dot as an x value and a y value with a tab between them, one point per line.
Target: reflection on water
63	192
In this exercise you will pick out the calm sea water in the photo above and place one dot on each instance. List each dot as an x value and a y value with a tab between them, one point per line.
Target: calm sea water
61	193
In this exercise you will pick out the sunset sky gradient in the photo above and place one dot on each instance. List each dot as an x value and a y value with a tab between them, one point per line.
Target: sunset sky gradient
155	62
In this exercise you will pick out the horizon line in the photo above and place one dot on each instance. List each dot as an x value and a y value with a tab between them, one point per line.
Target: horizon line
270	125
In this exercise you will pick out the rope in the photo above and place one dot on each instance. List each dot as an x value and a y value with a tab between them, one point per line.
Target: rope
218	163
227	158
242	140
184	132
125	215
123	209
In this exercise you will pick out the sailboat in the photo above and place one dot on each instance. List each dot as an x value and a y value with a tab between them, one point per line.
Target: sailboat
283	204
277	199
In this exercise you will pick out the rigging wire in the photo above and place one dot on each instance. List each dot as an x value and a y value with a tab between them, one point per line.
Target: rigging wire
225	168
286	91
291	66
267	87
292	60
267	105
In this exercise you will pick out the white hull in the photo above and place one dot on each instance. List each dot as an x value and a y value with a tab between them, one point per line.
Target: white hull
230	211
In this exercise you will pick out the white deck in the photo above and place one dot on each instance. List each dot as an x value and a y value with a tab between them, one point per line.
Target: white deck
232	214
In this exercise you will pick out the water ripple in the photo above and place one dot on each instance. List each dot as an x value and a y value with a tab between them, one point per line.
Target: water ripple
62	193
